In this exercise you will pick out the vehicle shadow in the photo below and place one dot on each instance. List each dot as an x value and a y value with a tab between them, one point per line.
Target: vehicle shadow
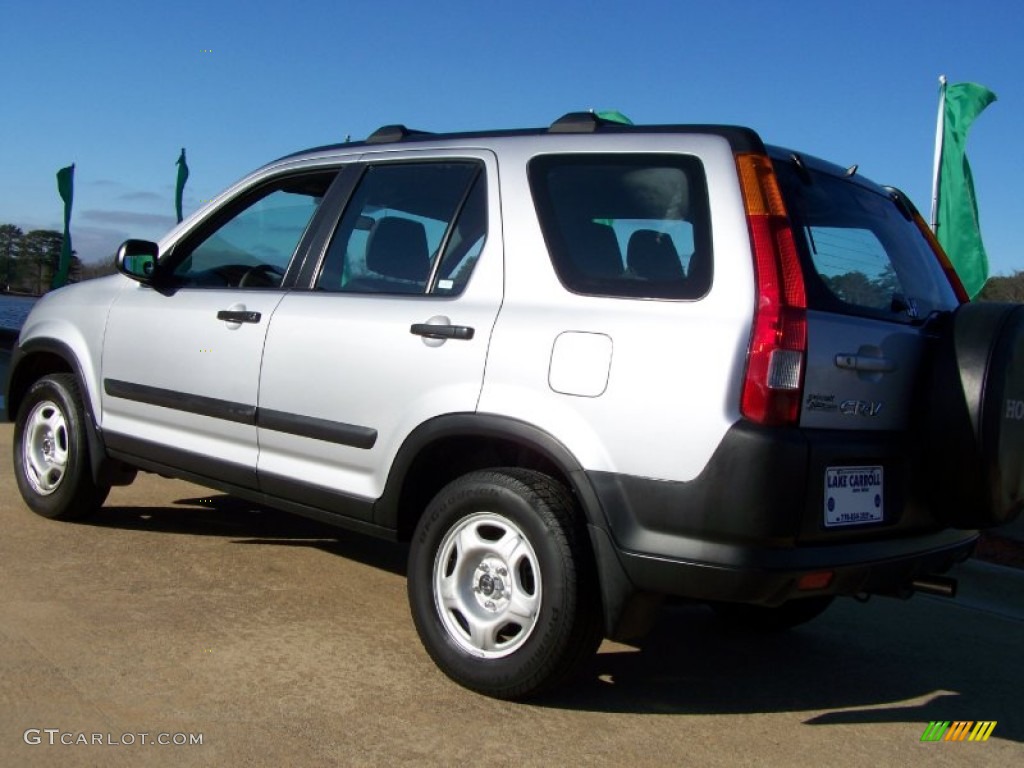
884	662
250	523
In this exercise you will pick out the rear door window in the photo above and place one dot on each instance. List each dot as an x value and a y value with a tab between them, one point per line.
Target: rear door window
625	225
861	254
410	228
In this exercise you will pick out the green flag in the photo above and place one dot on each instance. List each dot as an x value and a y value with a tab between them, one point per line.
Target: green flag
614	116
66	188
179	188
956	209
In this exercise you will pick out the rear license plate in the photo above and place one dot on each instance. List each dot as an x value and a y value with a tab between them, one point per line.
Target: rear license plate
853	496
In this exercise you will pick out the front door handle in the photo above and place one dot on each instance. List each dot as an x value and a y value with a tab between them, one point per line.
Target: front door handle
238	316
431	331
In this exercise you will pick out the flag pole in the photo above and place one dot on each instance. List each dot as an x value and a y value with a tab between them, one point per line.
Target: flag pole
938	153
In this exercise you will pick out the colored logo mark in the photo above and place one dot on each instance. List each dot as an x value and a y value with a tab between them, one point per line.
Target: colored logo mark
959	730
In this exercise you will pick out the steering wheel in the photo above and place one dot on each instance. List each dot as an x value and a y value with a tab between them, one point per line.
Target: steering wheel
262	276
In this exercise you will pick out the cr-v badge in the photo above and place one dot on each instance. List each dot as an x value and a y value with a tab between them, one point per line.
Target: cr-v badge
859	408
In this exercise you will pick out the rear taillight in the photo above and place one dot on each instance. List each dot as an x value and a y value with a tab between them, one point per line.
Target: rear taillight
773	382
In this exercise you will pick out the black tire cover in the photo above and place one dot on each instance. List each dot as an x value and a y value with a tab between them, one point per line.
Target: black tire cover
974	425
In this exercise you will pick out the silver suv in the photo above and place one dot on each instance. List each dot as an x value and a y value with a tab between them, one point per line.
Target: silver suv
579	368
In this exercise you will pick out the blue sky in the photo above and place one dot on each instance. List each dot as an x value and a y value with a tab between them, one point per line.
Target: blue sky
119	88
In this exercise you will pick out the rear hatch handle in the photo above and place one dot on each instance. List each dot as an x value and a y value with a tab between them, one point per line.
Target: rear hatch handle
853	362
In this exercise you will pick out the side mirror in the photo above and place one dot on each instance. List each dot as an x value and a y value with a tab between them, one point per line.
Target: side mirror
137	259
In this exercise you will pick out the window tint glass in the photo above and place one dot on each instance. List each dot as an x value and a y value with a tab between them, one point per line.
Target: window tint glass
626	225
466	242
861	254
254	245
853	265
401	219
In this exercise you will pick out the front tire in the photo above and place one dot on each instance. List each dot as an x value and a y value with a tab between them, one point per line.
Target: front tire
51	451
502	585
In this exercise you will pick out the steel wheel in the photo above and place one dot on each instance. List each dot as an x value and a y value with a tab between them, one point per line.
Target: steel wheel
51	451
502	585
487	585
45	447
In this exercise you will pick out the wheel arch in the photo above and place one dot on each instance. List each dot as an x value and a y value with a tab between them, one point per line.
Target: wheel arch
33	360
39	357
446	447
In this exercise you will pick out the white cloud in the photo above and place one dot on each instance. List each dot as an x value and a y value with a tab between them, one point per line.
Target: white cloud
142	196
129	218
99	243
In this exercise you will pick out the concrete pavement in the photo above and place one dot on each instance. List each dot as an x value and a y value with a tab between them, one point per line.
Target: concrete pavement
185	613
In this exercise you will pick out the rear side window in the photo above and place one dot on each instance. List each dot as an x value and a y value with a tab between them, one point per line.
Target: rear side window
861	254
625	225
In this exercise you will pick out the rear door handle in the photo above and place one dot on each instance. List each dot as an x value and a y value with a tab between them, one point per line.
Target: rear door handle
431	331
852	362
238	316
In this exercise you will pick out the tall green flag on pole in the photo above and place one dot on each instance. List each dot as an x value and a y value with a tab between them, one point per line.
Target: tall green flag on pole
954	207
66	188
179	188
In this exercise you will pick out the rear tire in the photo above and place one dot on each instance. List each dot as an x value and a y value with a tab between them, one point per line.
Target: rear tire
759	618
51	451
502	585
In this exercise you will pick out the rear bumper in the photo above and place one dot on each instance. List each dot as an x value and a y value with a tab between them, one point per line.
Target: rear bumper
771	577
752	523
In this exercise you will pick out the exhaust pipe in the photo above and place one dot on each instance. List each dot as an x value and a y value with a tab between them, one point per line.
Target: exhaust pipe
942	586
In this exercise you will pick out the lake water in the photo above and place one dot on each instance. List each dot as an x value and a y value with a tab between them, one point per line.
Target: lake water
14	310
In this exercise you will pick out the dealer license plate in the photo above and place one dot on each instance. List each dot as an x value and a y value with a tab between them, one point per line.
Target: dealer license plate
853	496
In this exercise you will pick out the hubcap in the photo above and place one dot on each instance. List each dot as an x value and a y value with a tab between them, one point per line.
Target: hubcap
44	448
487	585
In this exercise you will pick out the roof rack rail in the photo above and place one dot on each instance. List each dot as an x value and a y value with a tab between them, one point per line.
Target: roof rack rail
582	122
387	134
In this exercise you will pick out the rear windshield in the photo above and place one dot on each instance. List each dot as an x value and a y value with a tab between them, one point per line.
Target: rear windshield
861	254
625	225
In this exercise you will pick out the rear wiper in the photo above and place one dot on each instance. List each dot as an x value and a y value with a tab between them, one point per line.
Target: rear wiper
904	305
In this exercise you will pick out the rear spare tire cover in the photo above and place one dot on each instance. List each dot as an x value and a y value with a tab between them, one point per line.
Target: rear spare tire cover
975	421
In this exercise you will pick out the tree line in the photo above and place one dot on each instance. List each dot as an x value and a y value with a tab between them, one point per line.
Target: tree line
1004	288
28	260
858	288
